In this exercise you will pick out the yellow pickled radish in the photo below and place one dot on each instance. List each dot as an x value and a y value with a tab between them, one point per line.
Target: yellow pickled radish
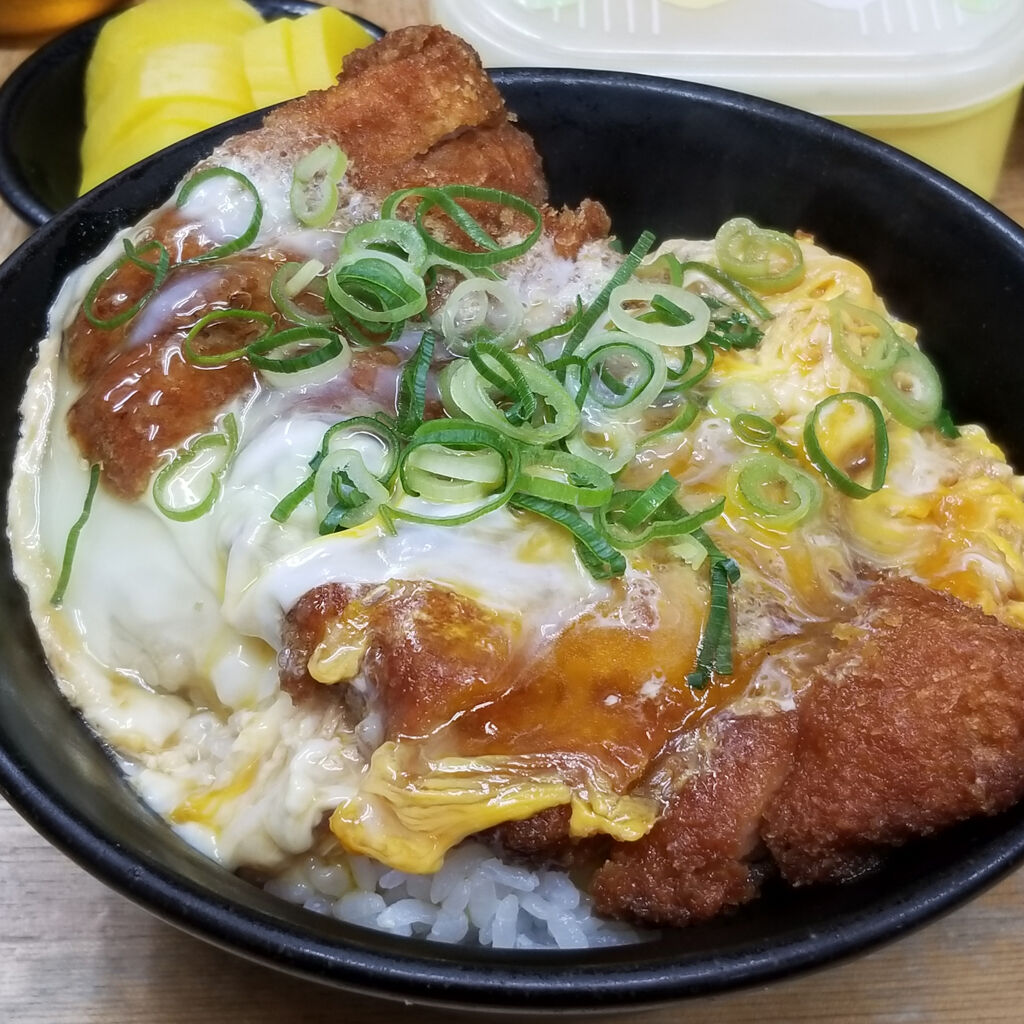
320	41
267	59
147	139
160	23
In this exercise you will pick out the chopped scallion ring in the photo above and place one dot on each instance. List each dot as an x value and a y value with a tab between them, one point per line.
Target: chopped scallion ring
769	261
600	558
71	545
730	284
501	371
446	199
564	477
376	287
314	192
458	435
248	236
665	267
658	516
815	446
302	356
613	371
468	315
466	392
599	306
290	281
345	492
133	255
774	493
387	235
945	425
911	388
671	335
222	358
864	341
681	378
679	423
204	458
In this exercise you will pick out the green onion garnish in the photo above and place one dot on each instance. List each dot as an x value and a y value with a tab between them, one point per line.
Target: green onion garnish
446	199
679	423
945	426
296	349
133	255
412	385
501	371
71	545
387	235
314	192
911	388
774	493
563	477
639	361
599	306
248	236
458	435
677	377
686	322
837	477
222	358
599	557
730	284
769	261
669	519
283	293
864	341
173	492
376	288
345	492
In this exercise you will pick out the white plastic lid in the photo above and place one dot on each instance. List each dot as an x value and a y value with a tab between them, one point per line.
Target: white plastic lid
835	57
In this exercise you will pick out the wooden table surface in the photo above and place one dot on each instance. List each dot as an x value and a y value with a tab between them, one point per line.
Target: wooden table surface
72	951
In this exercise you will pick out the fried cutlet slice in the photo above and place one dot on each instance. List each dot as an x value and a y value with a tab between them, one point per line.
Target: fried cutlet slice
393	102
697	860
915	722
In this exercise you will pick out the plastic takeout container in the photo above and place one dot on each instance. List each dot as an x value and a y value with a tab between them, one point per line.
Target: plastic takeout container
939	78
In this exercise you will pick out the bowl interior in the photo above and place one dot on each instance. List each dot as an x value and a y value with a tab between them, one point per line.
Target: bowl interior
42	116
679	159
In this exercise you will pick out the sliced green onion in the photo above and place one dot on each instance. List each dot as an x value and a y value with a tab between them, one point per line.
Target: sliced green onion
376	287
679	423
458	435
945	426
248	236
599	306
438	473
730	284
665	267
174	493
837	477
412	385
466	392
351	434
386	235
714	652
864	341
501	371
774	493
468	316
739	396
564	477
682	379
769	261
291	280
132	255
594	384
345	492
657	516
911	388
612	456
446	199
599	557
670	335
222	358
732	329
71	545
534	340
302	356
314	192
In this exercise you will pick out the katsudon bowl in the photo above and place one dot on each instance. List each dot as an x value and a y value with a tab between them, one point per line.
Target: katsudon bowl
679	159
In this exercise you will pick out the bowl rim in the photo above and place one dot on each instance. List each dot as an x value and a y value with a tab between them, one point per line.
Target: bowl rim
515	981
15	188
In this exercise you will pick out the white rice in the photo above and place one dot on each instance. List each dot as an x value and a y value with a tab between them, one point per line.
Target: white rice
475	899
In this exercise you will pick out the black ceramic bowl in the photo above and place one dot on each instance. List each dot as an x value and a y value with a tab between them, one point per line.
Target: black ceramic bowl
42	115
679	159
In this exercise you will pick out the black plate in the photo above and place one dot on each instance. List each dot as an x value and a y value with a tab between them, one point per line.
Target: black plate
42	115
680	159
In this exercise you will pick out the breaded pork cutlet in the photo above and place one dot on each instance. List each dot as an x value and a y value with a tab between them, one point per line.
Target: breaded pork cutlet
696	861
915	722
